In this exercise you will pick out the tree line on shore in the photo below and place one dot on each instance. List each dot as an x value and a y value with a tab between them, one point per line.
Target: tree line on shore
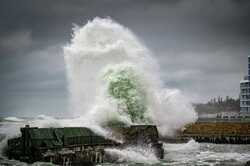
217	105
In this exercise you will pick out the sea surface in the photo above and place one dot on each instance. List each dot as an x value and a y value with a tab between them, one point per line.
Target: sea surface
184	154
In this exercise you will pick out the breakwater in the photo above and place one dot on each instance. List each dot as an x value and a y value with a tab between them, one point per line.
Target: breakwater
79	145
218	132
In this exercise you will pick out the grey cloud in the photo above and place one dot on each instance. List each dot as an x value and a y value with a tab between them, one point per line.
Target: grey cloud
16	41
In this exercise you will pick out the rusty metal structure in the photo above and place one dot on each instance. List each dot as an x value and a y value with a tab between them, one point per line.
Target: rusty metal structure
77	145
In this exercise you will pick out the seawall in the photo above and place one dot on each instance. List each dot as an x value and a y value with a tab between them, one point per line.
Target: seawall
218	132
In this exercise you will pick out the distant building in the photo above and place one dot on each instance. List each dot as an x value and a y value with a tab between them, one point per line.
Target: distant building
245	92
241	116
225	116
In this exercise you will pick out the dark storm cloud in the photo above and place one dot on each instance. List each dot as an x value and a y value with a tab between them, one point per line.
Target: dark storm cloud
201	46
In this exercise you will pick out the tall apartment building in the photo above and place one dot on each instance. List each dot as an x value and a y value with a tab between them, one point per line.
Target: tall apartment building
245	92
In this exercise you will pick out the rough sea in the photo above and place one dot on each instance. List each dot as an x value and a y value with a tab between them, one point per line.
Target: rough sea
183	154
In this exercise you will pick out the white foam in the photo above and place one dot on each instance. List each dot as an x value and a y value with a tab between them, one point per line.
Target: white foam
190	145
133	154
102	43
205	154
14	119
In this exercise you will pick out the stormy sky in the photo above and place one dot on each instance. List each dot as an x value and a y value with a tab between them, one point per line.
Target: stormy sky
201	46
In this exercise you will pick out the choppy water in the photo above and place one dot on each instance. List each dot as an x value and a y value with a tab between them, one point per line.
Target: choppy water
191	153
188	155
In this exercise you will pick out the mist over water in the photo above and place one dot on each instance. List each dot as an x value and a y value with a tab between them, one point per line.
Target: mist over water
114	77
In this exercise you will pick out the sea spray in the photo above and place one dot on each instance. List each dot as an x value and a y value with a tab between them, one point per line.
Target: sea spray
136	154
125	85
99	43
174	111
191	145
100	52
102	43
101	46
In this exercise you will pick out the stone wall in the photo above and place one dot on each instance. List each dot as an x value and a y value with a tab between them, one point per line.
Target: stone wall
218	132
218	128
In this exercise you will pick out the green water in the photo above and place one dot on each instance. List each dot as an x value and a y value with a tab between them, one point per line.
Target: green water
125	85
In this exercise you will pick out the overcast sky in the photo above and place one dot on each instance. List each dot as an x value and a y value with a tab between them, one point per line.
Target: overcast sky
201	46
